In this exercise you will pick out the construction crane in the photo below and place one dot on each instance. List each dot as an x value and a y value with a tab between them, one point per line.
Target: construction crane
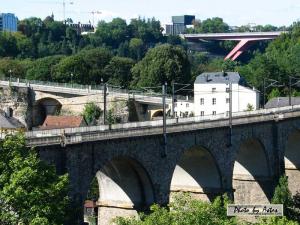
93	13
64	9
63	2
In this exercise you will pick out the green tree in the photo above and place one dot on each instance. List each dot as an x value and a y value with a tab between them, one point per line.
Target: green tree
18	68
211	25
136	48
118	71
42	69
185	211
30	190
112	118
282	195
162	63
91	113
274	93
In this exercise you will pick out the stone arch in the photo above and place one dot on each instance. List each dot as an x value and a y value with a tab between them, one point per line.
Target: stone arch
197	173
252	180
157	114
292	161
125	188
44	107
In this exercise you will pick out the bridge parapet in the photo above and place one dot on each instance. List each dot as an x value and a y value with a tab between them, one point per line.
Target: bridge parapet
83	90
115	131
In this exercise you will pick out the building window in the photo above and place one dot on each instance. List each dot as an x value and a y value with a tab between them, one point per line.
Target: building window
227	90
187	105
227	113
214	101
214	113
201	101
227	100
213	90
175	114
202	113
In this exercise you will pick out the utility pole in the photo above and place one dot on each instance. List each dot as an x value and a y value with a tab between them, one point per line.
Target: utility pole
264	93
230	114
104	101
291	84
164	88
10	71
173	99
272	83
290	90
64	10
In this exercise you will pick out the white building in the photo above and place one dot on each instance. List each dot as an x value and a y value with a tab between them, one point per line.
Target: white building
184	108
211	94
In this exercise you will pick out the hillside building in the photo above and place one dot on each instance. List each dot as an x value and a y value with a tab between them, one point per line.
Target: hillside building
212	94
8	22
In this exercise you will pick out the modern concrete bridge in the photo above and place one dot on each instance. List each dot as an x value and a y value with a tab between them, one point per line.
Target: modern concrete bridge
135	169
245	39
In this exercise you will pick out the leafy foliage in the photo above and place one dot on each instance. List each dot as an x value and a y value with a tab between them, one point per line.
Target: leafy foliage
91	113
185	211
162	63
30	190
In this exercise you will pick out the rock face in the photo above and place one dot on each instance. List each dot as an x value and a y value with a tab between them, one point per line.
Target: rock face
16	102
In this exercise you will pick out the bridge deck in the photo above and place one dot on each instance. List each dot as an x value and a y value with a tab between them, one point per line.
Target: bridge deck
87	134
84	90
233	36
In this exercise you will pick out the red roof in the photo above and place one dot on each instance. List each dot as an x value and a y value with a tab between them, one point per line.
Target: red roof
57	122
90	204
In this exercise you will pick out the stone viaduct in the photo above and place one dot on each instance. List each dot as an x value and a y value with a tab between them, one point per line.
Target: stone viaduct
37	100
135	169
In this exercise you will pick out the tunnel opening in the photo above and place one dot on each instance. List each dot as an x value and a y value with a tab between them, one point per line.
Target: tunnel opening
121	188
197	173
292	162
252	182
157	115
43	108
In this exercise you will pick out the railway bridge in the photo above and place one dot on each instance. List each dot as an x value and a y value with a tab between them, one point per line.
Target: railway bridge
135	168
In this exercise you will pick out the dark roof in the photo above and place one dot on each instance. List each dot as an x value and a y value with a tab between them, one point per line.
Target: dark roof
9	122
281	102
220	78
57	122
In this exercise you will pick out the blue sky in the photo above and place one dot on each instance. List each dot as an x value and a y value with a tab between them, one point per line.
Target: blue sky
234	12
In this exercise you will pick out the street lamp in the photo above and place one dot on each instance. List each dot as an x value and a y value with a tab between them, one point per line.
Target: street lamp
72	79
10	71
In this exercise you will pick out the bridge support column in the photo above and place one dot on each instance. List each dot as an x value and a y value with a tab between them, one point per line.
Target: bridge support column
249	190
197	173
292	162
239	49
107	211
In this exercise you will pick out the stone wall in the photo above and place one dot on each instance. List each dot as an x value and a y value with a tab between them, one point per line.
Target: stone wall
147	157
18	101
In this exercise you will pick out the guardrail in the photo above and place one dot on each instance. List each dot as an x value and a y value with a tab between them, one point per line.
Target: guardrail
277	112
74	88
